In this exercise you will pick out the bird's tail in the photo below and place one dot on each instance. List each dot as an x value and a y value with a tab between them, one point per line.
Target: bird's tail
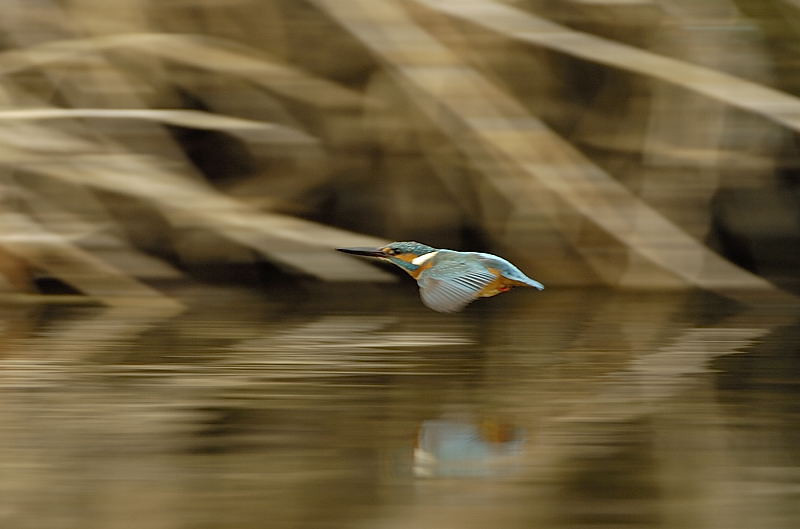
535	284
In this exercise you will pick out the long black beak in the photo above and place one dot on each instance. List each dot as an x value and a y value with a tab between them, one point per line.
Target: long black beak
367	252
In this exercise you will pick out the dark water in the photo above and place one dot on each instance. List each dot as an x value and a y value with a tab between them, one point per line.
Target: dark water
359	408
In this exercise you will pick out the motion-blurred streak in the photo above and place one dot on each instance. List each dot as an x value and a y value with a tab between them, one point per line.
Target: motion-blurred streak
33	140
335	346
64	260
77	337
524	26
651	377
209	54
541	171
93	229
249	129
301	244
169	181
691	353
678	151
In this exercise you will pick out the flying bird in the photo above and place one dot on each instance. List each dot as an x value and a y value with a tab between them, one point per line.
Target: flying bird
449	280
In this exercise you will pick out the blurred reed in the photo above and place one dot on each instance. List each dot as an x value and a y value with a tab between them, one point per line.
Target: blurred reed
627	144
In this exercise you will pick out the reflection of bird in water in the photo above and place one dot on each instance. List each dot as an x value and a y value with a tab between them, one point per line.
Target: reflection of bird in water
464	448
449	280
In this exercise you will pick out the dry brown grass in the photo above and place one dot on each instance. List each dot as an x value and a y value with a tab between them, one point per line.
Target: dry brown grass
126	131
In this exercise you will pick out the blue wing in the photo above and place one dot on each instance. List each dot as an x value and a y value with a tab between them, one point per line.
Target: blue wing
507	269
452	284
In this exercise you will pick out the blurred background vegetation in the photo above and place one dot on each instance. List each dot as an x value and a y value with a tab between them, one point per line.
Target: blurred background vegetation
629	143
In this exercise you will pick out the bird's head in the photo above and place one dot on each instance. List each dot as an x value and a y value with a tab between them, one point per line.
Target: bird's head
401	253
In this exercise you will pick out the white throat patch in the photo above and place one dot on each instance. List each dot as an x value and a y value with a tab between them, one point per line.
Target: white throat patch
422	258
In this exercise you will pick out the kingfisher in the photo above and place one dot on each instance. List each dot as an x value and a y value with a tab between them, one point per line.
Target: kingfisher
449	280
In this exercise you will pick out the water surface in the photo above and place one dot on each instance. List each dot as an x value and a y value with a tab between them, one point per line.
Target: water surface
362	409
